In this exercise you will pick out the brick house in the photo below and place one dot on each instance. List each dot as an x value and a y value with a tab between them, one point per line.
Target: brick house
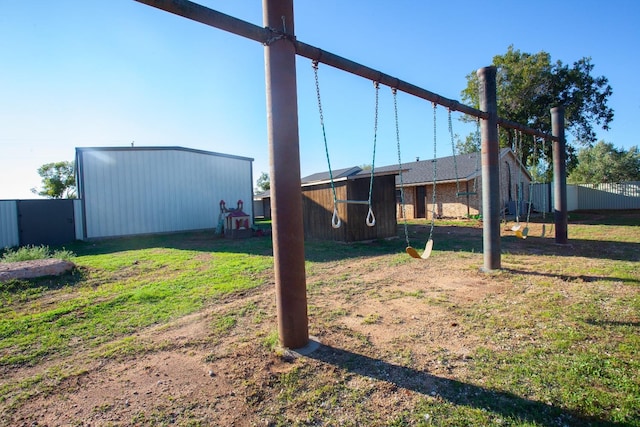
458	194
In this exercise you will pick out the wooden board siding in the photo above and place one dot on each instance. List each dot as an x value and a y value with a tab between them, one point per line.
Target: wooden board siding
383	198
318	210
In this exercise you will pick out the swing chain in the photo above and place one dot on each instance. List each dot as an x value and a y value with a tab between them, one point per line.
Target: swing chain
376	85
532	181
477	136
335	224
518	149
370	220
394	91
453	151
435	171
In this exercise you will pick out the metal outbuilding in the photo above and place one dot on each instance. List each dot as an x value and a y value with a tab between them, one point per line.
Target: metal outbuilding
143	190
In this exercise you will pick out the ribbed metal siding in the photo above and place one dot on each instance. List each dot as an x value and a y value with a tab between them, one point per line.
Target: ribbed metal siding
9	236
152	191
77	219
541	197
625	195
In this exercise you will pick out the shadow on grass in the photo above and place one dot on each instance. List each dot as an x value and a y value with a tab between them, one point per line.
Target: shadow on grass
599	322
47	283
205	241
202	241
456	392
447	238
573	278
629	217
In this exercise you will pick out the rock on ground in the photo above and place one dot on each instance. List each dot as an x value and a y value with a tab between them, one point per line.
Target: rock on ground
35	268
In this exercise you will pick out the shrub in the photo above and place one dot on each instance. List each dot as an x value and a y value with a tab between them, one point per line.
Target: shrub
28	253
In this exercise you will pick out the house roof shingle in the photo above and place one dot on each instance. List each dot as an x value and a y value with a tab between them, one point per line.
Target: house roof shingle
468	167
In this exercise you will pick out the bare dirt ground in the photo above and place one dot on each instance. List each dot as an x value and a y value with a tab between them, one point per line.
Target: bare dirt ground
380	326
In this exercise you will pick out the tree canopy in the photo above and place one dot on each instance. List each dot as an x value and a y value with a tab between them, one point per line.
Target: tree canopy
471	144
529	85
263	182
58	180
605	163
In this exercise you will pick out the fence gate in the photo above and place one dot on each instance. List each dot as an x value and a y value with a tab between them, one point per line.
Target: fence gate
46	222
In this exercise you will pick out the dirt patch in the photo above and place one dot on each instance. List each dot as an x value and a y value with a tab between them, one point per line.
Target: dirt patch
393	330
402	314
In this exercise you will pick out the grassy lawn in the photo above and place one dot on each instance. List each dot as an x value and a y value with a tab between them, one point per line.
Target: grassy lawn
551	339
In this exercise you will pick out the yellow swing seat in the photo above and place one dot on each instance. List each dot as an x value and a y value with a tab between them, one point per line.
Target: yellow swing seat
522	234
427	250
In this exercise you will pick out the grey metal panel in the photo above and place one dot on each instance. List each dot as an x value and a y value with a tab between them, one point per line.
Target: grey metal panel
572	197
9	235
137	191
613	196
541	197
624	195
46	222
77	214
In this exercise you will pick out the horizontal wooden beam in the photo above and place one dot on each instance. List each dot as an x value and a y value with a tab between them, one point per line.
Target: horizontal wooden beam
524	129
213	18
352	67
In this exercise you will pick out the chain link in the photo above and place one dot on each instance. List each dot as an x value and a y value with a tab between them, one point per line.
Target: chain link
478	142
394	91
370	220
435	170
375	139
314	64
453	150
518	145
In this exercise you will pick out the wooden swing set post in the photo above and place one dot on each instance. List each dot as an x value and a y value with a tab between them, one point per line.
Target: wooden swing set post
281	48
286	188
490	170
559	175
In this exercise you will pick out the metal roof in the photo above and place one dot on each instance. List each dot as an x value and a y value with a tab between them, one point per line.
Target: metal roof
162	148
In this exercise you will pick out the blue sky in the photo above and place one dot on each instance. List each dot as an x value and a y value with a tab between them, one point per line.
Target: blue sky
112	72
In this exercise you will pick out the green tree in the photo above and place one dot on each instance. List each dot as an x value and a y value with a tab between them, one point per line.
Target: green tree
263	182
529	85
471	144
605	163
58	180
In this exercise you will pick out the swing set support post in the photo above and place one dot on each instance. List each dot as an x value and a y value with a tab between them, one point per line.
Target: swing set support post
490	169
286	193
559	175
281	48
